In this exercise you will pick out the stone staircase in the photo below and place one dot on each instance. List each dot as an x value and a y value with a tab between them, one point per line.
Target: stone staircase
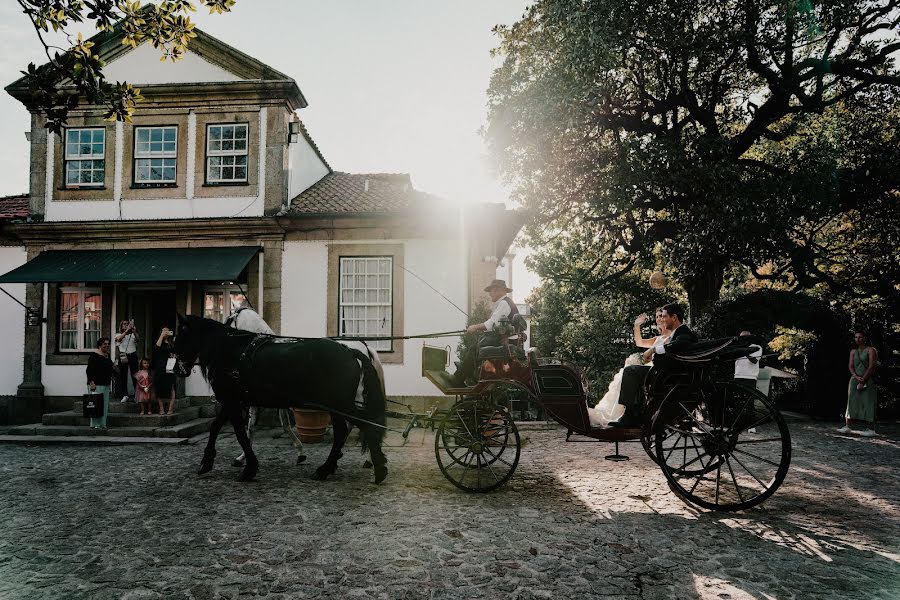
192	417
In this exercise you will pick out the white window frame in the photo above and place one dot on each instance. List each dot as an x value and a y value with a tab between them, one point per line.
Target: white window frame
223	290
81	158
364	325
82	290
150	155
234	155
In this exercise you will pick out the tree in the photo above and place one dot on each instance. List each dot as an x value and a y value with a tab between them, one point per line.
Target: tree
77	72
640	130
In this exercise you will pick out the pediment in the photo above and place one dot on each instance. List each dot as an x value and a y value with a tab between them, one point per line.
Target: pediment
142	66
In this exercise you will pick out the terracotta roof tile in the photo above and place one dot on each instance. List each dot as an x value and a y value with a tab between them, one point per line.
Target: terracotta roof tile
347	193
14	207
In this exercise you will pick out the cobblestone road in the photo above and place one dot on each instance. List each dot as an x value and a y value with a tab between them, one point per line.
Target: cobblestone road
135	522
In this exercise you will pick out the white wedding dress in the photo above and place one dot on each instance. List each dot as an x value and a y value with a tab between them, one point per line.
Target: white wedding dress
608	410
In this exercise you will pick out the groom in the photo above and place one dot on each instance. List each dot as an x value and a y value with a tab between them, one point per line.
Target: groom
631	395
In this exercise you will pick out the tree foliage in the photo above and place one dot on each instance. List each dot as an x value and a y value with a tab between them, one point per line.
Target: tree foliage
699	132
594	329
77	72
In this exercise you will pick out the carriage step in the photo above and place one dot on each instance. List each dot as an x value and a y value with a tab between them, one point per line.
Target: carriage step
443	381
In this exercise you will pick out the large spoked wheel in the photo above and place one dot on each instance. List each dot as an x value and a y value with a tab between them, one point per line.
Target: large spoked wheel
477	445
722	447
648	430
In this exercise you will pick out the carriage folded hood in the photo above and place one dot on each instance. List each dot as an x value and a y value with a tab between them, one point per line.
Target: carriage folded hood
150	264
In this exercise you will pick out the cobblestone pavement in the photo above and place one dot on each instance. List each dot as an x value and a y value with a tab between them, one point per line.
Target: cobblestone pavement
135	522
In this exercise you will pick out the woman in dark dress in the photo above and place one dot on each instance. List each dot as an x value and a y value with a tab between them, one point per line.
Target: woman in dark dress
164	383
99	376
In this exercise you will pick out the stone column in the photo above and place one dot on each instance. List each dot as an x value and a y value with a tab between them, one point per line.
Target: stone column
28	405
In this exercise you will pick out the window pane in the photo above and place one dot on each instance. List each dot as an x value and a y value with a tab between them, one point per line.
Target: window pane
72	173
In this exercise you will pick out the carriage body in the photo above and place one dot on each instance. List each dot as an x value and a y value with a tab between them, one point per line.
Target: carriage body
701	429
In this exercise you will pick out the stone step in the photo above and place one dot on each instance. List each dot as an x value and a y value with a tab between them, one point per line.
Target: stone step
72	418
184	430
116	406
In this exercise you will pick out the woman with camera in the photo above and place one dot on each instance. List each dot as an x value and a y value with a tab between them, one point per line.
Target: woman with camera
163	382
126	347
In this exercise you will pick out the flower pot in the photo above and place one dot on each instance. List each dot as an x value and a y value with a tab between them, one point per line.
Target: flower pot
311	424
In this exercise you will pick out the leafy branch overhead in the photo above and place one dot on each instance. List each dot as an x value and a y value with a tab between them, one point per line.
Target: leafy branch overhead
696	133
76	73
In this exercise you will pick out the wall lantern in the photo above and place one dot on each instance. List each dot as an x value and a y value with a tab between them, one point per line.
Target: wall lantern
293	132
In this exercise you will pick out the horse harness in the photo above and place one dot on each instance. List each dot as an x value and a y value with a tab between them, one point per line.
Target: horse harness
245	360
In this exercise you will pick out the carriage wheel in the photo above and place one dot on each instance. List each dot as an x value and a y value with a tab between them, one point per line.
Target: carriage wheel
477	445
648	433
724	447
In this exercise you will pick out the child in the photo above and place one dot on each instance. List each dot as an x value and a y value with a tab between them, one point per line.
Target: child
144	383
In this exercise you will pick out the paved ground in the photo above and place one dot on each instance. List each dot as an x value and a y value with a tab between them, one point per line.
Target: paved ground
134	522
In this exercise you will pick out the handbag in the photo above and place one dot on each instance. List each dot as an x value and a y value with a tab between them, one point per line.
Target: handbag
170	364
92	405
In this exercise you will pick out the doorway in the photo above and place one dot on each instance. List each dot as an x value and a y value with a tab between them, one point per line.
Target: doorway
151	309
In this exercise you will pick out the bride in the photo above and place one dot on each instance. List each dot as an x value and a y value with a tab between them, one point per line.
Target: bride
608	410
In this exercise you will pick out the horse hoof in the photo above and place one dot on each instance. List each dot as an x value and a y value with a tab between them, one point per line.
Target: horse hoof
320	474
380	473
248	473
367	464
237	463
205	467
301	458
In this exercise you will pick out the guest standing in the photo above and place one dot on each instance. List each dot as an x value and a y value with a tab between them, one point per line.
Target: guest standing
862	396
126	345
163	382
99	375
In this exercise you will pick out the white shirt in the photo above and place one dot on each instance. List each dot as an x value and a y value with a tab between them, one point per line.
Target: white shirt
744	368
499	310
127	345
661	349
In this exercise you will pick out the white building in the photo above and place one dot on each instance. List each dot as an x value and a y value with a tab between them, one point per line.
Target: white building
216	191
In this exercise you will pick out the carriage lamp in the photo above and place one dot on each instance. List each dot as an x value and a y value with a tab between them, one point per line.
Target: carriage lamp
293	132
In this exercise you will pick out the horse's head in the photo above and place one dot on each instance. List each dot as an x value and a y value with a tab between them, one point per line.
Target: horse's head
191	339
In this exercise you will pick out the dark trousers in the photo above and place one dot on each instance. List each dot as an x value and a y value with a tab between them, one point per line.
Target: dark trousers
467	362
750	384
631	396
126	371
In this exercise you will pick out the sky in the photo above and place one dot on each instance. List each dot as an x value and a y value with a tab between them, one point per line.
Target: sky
393	86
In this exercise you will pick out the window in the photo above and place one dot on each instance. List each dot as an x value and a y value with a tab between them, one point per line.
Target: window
84	157
365	299
155	154
226	153
214	306
80	312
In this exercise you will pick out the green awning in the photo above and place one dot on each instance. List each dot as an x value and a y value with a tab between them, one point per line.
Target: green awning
151	264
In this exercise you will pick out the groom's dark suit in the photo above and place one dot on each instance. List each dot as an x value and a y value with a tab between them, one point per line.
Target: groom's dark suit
630	395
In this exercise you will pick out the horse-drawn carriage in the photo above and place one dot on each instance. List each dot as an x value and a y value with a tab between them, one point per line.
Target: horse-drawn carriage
720	445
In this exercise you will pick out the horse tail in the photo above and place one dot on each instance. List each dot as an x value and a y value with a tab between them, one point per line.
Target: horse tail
376	361
376	401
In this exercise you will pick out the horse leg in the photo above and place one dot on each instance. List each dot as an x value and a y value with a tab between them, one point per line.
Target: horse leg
379	460
251	465
209	454
339	427
252	415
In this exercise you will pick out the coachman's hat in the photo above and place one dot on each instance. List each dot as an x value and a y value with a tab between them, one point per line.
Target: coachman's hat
498	283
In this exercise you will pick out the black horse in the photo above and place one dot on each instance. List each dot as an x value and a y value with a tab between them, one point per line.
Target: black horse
273	372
